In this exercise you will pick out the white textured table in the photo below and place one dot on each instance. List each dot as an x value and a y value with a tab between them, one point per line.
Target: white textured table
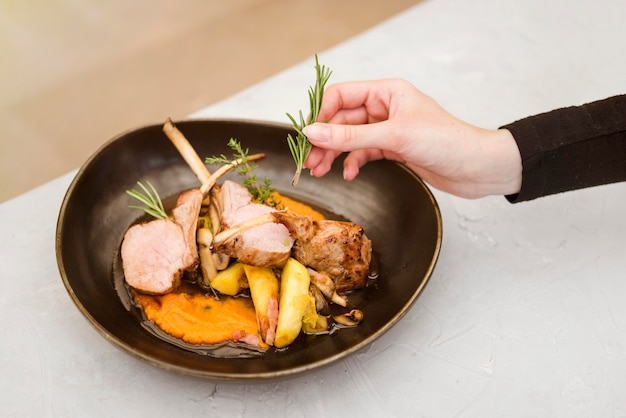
524	315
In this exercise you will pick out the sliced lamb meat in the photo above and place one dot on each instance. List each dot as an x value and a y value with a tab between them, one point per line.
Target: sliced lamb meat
152	256
155	254
232	197
185	214
267	245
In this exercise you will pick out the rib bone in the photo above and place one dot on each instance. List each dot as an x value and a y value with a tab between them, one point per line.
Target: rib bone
196	164
188	153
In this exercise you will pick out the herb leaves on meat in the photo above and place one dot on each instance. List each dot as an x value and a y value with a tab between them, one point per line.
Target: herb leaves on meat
260	190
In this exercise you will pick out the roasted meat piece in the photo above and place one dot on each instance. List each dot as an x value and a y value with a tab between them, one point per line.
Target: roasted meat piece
185	214
266	245
340	249
155	254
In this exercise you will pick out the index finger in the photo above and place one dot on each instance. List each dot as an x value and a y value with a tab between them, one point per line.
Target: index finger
370	95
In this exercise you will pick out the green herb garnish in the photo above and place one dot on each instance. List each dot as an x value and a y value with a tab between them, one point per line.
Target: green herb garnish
261	191
151	199
300	146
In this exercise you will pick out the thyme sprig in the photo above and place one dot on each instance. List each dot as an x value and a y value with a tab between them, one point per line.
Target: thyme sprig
300	146
260	190
150	198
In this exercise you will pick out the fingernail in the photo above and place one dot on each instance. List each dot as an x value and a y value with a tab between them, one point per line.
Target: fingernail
317	132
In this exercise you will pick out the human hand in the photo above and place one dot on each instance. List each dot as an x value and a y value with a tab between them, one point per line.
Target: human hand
392	119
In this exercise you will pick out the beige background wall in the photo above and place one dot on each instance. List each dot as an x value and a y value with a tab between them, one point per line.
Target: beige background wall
75	73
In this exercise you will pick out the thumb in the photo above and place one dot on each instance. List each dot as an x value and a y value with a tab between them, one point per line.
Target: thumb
345	138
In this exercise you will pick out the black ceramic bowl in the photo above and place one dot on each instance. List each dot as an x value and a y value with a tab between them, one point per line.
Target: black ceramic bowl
397	211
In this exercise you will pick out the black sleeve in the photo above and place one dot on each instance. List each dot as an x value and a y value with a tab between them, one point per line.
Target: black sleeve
571	148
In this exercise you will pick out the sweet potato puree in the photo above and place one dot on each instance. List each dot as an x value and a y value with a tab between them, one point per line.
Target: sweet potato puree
298	207
201	319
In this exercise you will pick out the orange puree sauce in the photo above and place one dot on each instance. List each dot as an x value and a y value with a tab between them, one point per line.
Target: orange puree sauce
298	207
199	319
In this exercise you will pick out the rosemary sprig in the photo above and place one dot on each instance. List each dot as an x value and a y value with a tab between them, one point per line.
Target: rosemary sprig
261	191
152	200
300	146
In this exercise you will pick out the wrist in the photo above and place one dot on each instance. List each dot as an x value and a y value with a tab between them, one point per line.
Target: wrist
506	162
494	165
